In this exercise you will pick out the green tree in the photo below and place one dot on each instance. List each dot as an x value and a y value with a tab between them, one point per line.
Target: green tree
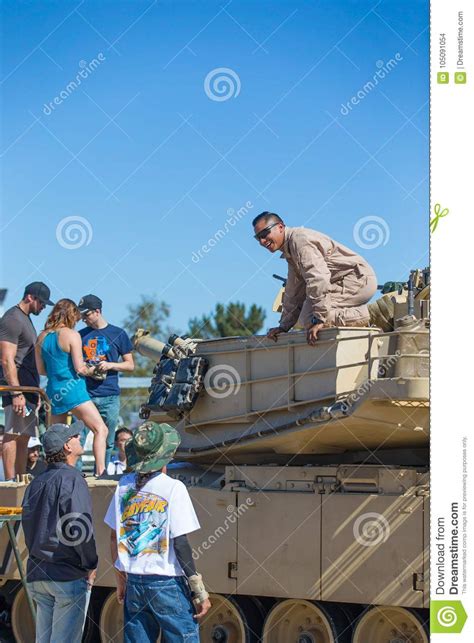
227	321
152	315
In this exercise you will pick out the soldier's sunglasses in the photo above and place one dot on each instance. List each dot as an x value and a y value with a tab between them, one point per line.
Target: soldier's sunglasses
263	234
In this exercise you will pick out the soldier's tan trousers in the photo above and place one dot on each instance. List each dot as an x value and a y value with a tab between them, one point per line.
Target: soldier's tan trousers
349	298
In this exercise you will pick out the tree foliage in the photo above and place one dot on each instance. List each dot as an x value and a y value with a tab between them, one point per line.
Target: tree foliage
227	321
152	315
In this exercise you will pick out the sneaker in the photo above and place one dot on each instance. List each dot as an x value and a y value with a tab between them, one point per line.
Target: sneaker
103	476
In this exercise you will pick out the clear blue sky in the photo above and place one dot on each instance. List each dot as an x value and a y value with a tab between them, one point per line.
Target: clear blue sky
156	183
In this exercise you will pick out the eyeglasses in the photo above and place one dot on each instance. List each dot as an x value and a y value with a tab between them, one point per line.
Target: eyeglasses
263	234
86	314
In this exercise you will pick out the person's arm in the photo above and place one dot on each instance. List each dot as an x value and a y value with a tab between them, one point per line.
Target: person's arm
26	517
75	347
124	347
316	275
126	366
183	520
38	356
8	351
317	278
184	554
110	520
293	299
121	577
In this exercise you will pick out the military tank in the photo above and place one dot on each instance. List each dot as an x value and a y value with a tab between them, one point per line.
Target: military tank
308	468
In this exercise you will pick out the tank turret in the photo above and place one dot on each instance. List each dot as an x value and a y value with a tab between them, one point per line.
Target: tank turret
256	401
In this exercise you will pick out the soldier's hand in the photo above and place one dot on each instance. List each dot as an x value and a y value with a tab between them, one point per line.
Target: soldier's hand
312	334
274	332
202	608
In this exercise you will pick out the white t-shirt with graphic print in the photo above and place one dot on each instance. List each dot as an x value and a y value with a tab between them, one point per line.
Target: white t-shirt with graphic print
146	521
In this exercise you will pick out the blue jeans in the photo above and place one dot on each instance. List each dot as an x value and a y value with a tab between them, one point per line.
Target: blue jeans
61	609
109	409
154	603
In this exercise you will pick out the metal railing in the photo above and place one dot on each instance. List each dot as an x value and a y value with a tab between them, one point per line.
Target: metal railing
10	515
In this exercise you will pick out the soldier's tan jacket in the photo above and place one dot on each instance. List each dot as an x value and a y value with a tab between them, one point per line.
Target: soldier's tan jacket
314	263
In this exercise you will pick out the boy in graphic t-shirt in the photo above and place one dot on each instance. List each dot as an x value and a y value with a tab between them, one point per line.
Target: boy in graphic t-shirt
150	515
109	348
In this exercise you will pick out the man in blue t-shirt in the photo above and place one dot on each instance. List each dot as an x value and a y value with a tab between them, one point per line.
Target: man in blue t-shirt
108	348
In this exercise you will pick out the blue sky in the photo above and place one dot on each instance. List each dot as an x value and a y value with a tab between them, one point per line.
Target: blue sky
150	165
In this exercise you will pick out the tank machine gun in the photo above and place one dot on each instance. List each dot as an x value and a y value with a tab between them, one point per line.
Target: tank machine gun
402	298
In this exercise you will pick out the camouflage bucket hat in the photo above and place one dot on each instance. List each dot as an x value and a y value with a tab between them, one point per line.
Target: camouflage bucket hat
152	447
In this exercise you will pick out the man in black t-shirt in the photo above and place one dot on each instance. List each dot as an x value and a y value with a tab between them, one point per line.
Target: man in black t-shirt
18	368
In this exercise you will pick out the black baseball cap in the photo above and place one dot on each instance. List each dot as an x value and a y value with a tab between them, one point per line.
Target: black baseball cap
58	434
41	291
89	302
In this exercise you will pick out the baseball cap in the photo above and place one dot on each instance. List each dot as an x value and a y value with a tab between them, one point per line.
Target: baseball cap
89	302
58	434
40	290
34	442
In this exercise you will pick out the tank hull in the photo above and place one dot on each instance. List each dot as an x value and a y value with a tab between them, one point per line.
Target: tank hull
315	536
285	531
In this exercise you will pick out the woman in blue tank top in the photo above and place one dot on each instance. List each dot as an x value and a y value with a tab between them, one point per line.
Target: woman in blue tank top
59	356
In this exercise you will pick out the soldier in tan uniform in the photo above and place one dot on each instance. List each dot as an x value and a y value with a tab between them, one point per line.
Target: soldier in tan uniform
328	284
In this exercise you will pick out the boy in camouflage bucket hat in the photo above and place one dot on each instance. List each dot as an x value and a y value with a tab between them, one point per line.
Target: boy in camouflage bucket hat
151	447
150	517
